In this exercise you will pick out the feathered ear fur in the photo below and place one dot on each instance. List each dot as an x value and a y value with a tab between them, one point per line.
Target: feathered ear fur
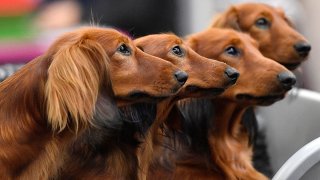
74	79
192	43
228	19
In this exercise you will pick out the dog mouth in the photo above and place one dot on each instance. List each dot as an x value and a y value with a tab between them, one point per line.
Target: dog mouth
291	66
260	100
192	89
144	96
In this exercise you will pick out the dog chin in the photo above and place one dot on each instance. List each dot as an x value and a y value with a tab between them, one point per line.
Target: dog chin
260	100
141	96
291	66
196	91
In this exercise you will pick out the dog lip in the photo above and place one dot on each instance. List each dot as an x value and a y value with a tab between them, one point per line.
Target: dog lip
140	95
176	89
194	89
261	100
291	66
303	54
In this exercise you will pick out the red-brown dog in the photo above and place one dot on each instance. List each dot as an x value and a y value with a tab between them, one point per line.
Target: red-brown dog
73	86
207	78
106	159
223	153
274	32
277	40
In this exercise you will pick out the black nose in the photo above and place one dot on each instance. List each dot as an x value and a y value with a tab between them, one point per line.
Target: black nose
287	79
181	76
232	74
302	48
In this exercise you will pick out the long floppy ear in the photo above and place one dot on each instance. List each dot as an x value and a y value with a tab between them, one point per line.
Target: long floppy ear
228	19
74	79
192	43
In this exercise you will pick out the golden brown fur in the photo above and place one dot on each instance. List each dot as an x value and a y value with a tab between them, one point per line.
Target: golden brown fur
53	98
276	40
257	85
103	151
206	79
225	153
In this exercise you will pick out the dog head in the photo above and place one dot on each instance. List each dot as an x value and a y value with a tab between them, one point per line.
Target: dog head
274	32
262	81
207	77
92	61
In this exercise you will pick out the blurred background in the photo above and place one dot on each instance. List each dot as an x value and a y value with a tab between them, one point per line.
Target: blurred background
28	27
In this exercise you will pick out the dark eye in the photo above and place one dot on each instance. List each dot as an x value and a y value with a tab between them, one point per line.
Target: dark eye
176	50
124	49
262	23
232	51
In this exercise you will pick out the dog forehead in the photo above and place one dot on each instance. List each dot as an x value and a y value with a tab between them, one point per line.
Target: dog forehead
168	39
228	36
108	34
260	9
232	37
111	39
175	39
246	38
161	41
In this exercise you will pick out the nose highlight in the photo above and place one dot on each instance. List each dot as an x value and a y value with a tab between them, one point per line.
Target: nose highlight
181	77
232	74
287	79
302	48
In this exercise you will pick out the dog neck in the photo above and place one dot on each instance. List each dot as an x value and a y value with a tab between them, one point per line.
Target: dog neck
28	147
228	116
145	151
108	150
229	141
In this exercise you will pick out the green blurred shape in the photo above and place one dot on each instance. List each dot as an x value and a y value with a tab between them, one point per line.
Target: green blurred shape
15	27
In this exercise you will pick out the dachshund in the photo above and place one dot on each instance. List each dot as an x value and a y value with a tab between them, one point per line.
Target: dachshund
90	155
207	78
78	83
277	40
274	32
109	150
213	144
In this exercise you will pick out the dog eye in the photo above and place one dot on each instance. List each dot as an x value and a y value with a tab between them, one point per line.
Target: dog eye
262	23
177	50
124	49
231	50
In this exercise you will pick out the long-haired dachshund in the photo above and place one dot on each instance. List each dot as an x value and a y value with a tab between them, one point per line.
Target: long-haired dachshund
107	150
76	84
277	40
215	145
207	78
262	82
274	32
